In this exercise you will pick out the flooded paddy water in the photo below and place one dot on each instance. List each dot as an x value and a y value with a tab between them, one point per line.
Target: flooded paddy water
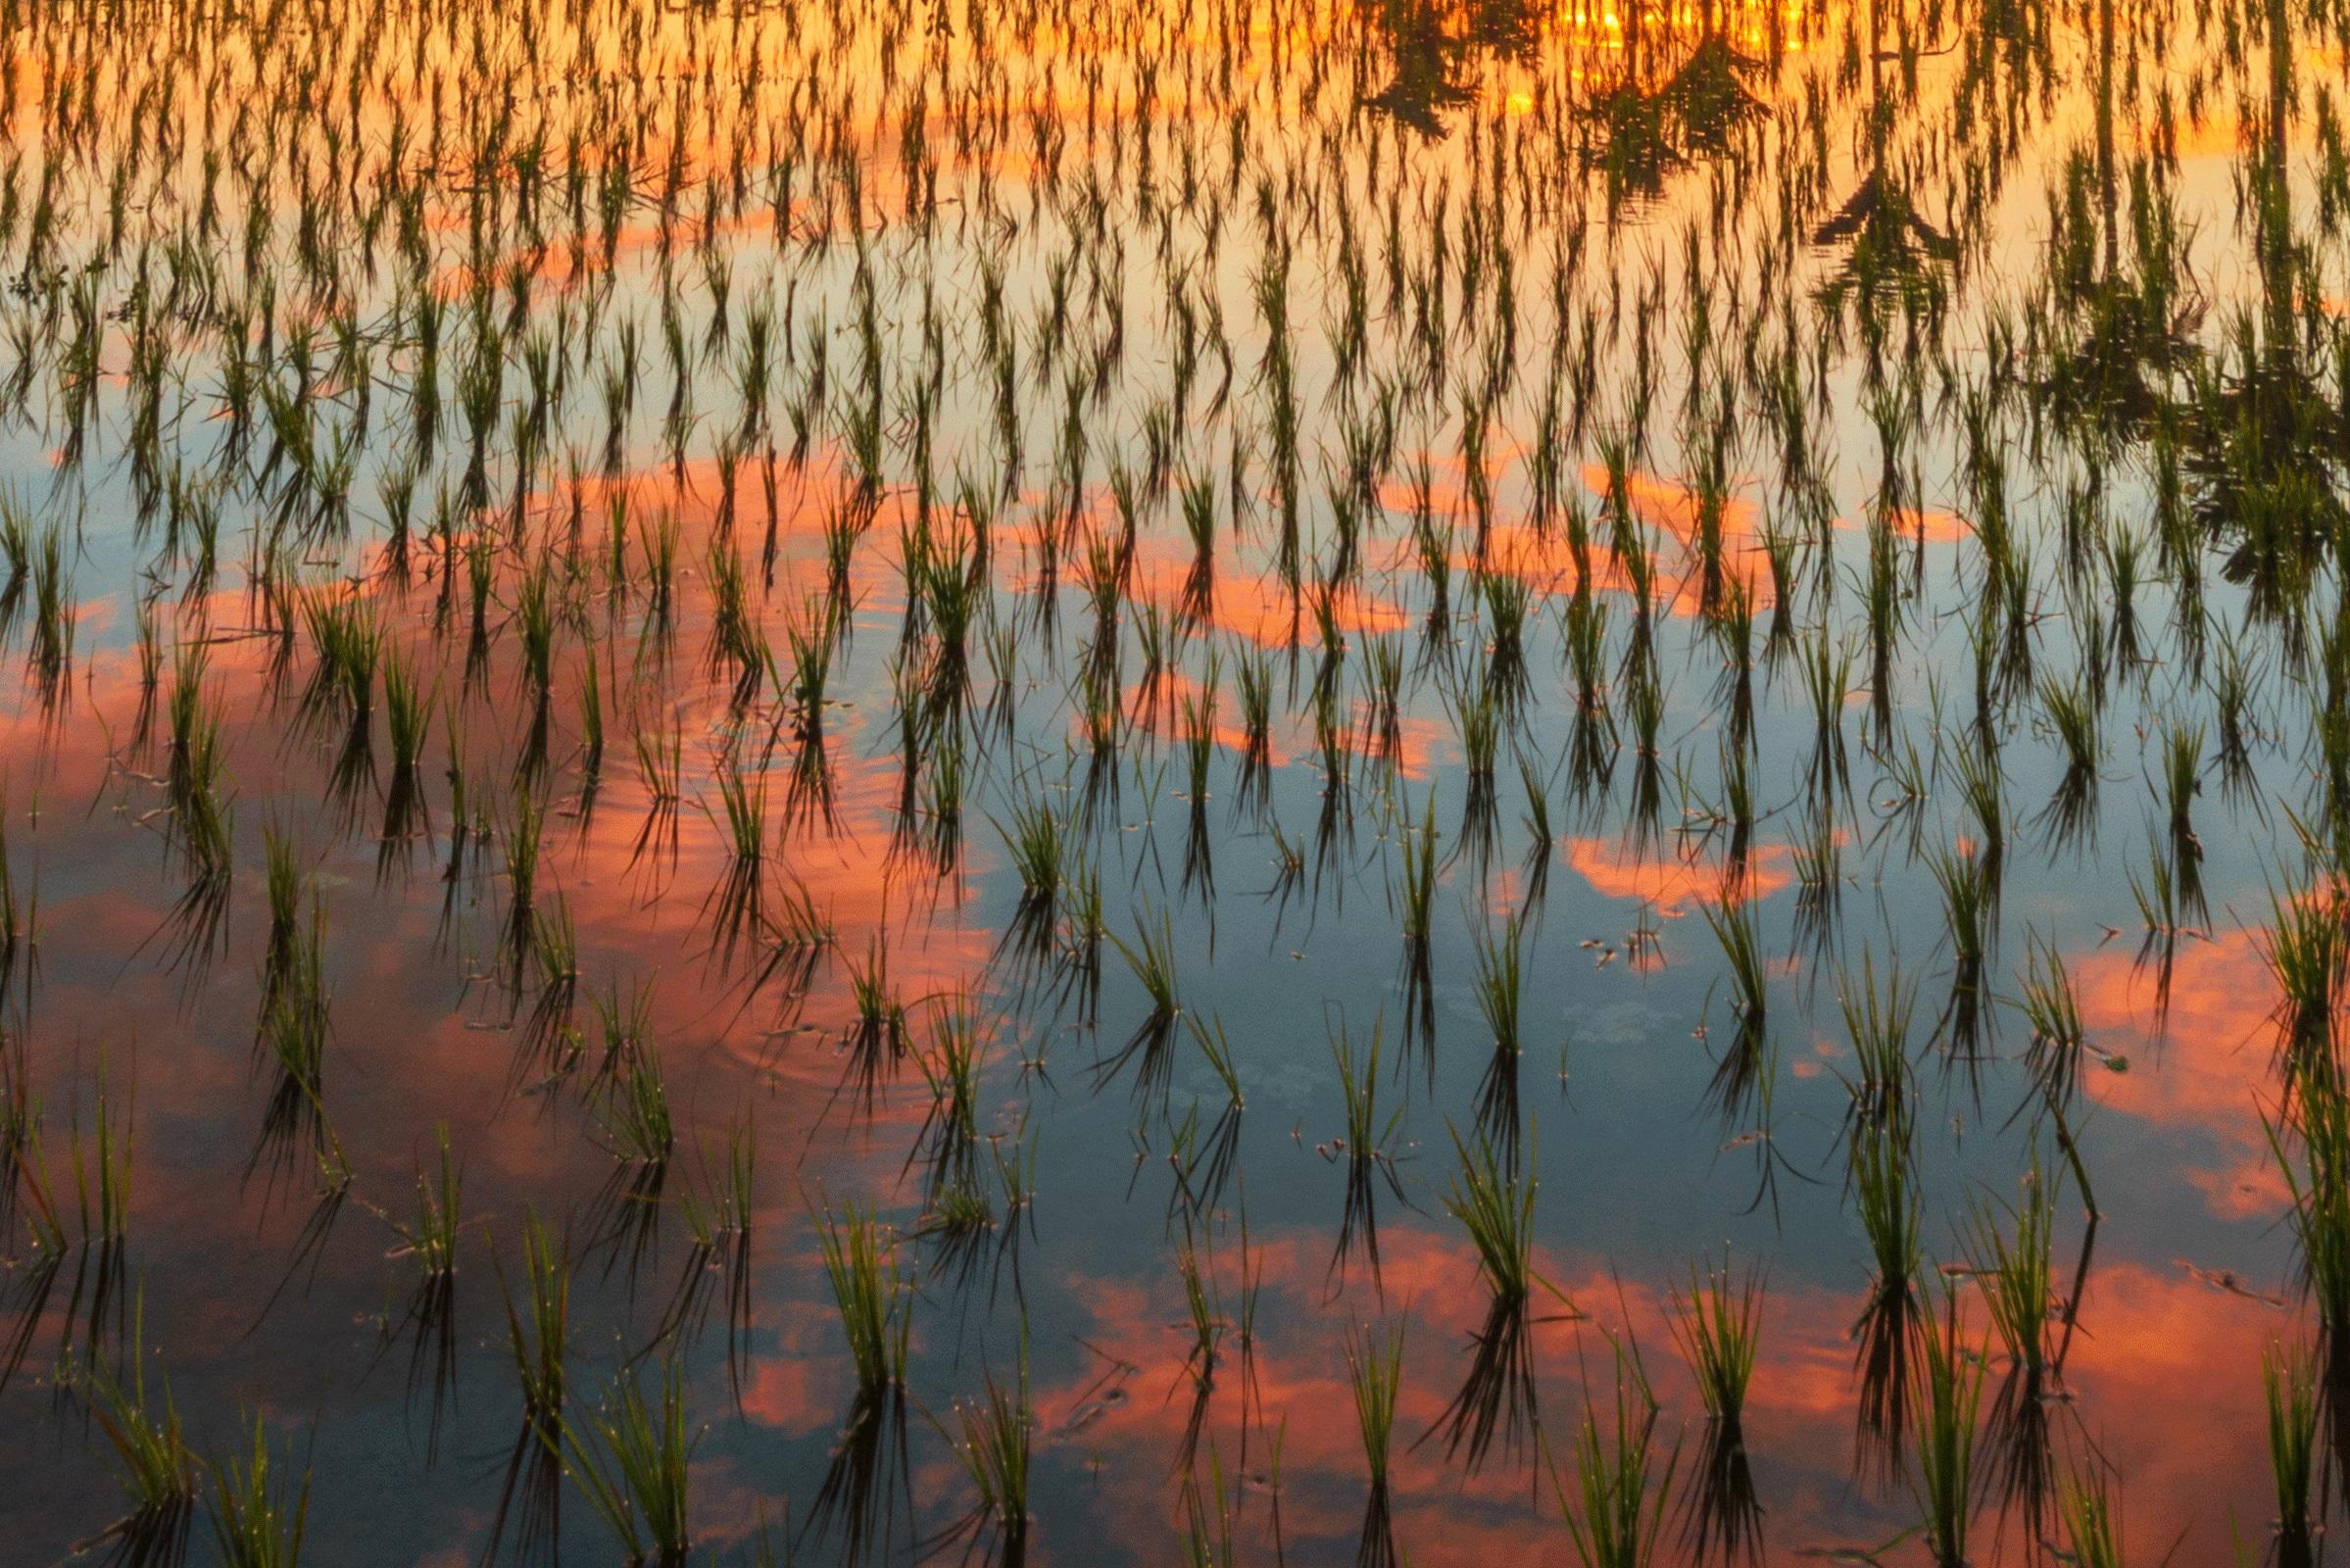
1211	782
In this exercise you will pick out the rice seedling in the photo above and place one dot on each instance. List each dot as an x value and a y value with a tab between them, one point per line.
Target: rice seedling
430	1239
2308	953
102	1184
1884	1191
738	902
1152	959
661	766
20	1126
1970	912
1500	982
2319	1184
1494	1202
1203	1352
408	715
1036	843
1878	1024
873	1295
1217	1050
160	1474
1367	1147
292	1036
1981	785
349	647
868	1468
538	1337
1952	1394
878	1033
1718	1324
2060	1041
2181	774
20	927
1828	679
2288	1381
718	1220
992	1443
2072	707
1733	925
634	1112
948	1143
1209	1519
2092	1520
1375	1371
524	844
257	1520
1500	991
1617	1512
630	1458
37	1206
2014	1274
1419	908
53	613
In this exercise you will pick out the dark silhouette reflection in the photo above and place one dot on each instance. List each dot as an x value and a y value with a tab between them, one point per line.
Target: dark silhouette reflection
1892	251
1497	1400
1653	116
1888	1336
2256	416
1721	1513
1495	1203
538	1337
1366	1151
1885	1340
2019	1470
862	1499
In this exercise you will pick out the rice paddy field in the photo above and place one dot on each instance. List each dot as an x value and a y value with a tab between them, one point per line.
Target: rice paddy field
1174	781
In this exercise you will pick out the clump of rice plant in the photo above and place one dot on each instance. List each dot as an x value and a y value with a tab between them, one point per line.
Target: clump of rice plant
738	900
2059	1038
992	1443
1494	1204
1623	1483
1150	956
1951	1388
1419	912
1735	927
2072	710
1367	1149
1883	1185
1375	1372
159	1471
1500	982
1492	1201
2309	953
430	1239
257	1523
631	1457
2318	1182
2288	1380
873	1295
1878	1024
952	1068
2015	1273
2092	1520
1718	1322
879	1033
638	1126
538	1337
293	1034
